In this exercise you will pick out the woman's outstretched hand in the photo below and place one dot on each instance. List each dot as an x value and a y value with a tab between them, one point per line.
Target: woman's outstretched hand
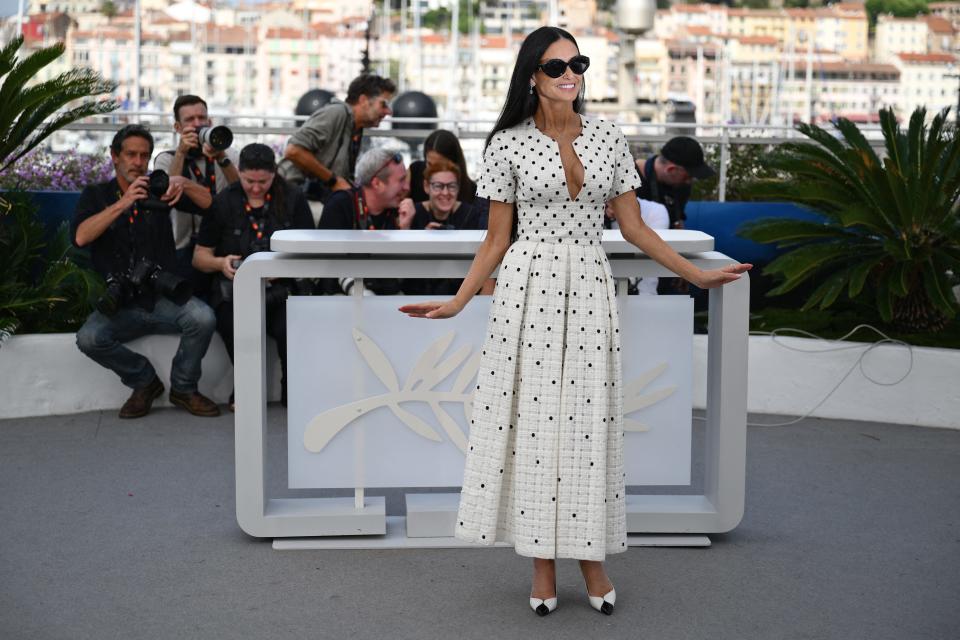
432	310
719	277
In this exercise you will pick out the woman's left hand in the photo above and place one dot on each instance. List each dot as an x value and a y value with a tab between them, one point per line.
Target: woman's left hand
719	277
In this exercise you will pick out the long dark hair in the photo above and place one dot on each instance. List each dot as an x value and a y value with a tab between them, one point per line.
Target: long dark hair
521	104
446	144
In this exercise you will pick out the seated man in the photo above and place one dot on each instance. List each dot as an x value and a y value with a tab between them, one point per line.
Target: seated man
126	224
372	205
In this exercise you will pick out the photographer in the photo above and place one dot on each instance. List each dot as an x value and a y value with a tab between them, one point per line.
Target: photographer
200	162
441	211
320	157
372	205
243	218
126	224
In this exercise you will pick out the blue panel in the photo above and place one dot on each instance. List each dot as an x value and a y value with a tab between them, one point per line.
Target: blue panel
722	219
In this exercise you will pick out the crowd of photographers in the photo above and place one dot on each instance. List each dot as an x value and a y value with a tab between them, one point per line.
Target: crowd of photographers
169	242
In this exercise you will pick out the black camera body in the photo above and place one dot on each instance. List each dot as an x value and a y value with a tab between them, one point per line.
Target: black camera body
157	186
276	291
137	283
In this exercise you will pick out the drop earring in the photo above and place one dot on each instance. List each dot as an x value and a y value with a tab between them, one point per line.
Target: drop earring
531	89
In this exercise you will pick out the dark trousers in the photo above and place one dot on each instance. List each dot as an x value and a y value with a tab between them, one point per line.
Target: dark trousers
102	337
276	317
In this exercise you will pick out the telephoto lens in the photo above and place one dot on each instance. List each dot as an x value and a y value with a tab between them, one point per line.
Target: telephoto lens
219	137
173	287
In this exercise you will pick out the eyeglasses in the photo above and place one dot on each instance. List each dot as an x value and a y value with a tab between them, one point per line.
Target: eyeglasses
452	187
397	157
555	67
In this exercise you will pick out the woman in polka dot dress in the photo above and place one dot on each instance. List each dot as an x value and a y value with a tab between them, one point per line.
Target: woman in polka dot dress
544	468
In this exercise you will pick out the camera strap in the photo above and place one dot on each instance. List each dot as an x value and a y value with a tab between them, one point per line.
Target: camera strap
133	213
258	224
207	179
364	220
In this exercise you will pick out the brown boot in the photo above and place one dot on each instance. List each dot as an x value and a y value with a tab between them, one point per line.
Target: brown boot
140	401
196	403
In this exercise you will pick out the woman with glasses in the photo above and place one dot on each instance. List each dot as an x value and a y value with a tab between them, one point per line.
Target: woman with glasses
544	467
444	145
442	211
441	145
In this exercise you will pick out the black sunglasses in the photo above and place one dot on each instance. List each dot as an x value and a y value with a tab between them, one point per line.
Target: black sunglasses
555	68
397	158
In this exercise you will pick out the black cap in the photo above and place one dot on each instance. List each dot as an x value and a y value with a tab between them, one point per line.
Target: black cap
257	156
687	153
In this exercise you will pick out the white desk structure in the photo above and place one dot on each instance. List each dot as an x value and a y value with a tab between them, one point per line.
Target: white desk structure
361	522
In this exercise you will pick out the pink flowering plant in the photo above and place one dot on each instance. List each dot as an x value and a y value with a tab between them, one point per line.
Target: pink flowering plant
45	171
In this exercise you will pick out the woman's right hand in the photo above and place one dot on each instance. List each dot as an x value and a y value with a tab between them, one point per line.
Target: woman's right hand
432	310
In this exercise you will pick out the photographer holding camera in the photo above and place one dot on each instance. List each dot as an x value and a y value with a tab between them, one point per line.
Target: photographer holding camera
243	218
203	156
320	157
126	224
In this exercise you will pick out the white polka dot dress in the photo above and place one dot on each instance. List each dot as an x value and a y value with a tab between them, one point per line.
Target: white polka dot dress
544	468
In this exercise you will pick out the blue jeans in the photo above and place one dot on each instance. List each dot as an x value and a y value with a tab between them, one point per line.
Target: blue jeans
101	338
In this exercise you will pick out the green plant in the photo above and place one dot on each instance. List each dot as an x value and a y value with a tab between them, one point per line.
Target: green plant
42	288
892	228
898	8
29	113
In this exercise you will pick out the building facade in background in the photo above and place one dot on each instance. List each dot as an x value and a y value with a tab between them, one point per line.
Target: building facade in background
775	66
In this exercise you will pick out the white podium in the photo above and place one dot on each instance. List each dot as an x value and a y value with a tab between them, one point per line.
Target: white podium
431	254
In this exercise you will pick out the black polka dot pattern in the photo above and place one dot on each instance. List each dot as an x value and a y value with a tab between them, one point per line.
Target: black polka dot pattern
554	486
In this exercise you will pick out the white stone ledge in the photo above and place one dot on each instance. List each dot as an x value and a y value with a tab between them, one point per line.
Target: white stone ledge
48	375
787	382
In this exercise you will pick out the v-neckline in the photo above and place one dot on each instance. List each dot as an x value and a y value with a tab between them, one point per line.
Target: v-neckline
573	145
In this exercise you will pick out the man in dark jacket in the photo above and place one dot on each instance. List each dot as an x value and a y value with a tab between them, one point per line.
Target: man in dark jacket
667	176
126	226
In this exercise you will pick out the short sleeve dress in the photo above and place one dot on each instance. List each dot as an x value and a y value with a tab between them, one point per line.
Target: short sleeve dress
544	467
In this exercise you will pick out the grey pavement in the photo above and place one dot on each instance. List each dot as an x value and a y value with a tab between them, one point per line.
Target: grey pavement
126	529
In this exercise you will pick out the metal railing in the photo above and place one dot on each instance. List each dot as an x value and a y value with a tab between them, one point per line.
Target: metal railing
275	129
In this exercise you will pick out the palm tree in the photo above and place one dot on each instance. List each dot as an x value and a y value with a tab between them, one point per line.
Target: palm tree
41	287
29	114
892	228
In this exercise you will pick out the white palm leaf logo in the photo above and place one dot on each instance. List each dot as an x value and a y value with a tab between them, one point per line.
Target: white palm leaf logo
421	386
634	401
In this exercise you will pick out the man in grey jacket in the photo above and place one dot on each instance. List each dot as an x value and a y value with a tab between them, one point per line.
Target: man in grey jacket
322	154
